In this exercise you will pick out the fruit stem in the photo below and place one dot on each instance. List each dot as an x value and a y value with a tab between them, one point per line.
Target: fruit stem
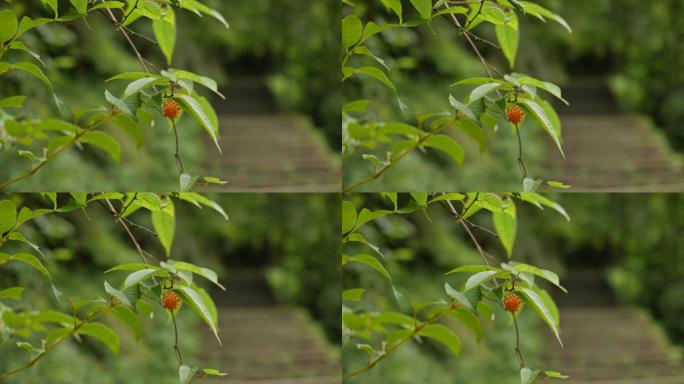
518	353
175	344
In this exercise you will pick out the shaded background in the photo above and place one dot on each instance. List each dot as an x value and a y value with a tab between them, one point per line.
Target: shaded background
276	60
623	58
620	257
277	253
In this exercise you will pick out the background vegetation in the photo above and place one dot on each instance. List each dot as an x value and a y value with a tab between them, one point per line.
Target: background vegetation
270	233
633	240
629	46
264	42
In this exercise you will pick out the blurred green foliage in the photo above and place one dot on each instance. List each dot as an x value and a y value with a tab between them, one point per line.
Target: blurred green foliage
424	62
635	238
636	44
275	232
291	45
418	250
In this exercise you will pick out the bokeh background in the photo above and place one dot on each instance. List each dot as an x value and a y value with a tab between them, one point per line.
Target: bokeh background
620	70
280	316
275	64
620	258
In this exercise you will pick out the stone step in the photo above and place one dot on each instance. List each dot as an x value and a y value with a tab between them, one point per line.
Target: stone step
611	152
264	152
607	343
270	345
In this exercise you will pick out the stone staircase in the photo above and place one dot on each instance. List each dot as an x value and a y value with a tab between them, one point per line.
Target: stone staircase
266	343
607	151
606	343
265	150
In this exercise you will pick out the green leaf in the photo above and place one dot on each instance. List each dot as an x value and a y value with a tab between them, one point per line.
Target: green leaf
366	215
117	294
164	223
128	125
470	320
194	5
28	23
378	75
394	6
8	215
52	4
213	372
545	85
444	335
448	196
481	277
543	273
136	277
420	198
354	294
537	304
144	308
8	25
129	76
12	102
509	38
527	376
108	5
424	8
33	70
165	33
506	227
198	113
372	262
447	145
462	108
214	180
186	374
33	261
458	296
543	119
482	91
541	13
51	316
204	272
472	129
81	6
352	29
118	103
194	300
104	142
348	216
102	333
138	85
202	80
473	269
130	267
196	198
13	293
555	375
129	319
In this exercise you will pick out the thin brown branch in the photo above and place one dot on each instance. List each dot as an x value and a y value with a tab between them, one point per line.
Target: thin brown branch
175	343
465	226
393	347
518	352
128	231
179	162
50	156
55	343
521	162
